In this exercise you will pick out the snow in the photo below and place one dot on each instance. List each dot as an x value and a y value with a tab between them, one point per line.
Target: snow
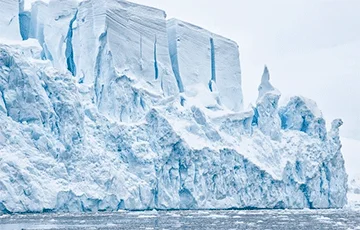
135	112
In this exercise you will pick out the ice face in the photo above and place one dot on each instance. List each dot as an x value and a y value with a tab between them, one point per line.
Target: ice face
302	114
201	59
9	21
58	33
39	15
135	37
128	59
91	119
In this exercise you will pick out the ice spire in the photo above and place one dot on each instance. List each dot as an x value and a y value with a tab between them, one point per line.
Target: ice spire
265	85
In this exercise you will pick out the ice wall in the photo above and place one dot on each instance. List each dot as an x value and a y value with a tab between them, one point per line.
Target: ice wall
39	17
135	36
203	60
58	32
61	154
127	59
9	20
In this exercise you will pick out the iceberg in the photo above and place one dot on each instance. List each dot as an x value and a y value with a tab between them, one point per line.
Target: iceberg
107	106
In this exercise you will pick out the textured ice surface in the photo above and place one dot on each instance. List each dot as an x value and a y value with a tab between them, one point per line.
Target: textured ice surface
127	61
61	15
39	16
9	20
203	61
93	119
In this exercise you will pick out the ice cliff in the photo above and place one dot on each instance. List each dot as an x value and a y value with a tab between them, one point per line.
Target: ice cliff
106	105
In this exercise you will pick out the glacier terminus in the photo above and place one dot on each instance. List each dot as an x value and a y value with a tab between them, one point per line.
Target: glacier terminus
107	105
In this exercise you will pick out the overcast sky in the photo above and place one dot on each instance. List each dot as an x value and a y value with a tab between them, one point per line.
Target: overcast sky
312	47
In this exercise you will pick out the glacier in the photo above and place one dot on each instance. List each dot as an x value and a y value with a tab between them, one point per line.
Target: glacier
107	105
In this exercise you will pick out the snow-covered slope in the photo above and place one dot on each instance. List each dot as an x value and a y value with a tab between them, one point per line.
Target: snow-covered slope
93	119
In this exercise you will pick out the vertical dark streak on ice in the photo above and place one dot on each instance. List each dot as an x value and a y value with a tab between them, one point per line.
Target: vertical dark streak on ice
213	67
306	191
4	100
69	52
102	40
328	178
172	40
141	52
24	21
155	60
212	47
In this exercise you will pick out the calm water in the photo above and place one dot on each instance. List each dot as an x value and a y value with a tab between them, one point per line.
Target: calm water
263	219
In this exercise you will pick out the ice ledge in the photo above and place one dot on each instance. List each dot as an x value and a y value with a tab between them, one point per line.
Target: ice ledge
140	9
175	21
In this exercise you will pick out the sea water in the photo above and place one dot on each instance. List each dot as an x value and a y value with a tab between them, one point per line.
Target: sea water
212	219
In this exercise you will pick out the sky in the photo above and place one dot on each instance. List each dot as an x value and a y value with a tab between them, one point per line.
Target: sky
311	47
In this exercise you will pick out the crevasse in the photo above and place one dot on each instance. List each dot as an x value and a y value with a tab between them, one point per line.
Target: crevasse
156	68
174	55
69	51
213	63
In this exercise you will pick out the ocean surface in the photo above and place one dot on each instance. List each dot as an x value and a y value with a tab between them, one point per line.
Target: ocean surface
216	219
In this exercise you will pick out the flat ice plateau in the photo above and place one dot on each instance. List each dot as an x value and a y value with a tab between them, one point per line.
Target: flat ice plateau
107	105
